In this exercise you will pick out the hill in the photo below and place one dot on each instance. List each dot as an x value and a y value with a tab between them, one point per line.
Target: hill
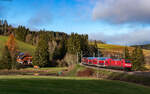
146	46
66	85
110	48
23	47
117	48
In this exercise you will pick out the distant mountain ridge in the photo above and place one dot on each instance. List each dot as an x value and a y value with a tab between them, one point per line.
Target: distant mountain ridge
145	46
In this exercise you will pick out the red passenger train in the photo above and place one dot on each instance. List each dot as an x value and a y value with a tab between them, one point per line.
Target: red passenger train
107	62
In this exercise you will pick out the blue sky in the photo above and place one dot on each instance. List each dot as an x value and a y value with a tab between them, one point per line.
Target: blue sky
108	20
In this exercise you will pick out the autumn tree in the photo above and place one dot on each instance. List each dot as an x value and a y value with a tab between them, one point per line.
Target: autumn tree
12	47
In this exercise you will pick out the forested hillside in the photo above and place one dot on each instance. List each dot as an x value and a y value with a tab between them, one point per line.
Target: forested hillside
22	47
63	49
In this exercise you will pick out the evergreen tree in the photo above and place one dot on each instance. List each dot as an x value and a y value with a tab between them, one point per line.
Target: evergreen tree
6	59
126	53
5	23
60	51
41	55
138	59
95	48
5	26
1	27
21	33
77	43
1	22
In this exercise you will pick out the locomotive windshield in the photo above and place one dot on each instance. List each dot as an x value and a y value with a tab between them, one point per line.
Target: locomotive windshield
127	61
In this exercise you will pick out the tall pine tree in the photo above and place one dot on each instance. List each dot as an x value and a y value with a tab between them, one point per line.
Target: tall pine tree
21	33
138	59
126	53
41	55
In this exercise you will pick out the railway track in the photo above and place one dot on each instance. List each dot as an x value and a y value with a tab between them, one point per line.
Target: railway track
138	73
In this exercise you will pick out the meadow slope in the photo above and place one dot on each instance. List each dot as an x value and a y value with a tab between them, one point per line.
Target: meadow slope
110	48
22	47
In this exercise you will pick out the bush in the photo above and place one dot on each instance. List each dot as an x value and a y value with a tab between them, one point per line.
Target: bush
6	61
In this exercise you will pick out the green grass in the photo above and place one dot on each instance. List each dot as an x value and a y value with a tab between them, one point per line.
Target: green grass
32	71
23	47
66	85
139	79
108	74
47	70
73	72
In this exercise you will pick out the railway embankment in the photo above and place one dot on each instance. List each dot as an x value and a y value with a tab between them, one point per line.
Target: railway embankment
137	77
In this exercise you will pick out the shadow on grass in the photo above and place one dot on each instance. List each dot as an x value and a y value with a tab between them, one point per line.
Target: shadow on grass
130	78
63	85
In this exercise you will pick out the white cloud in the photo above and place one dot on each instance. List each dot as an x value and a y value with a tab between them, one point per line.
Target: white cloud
135	37
122	11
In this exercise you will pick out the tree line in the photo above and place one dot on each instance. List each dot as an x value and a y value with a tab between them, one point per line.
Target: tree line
56	48
52	48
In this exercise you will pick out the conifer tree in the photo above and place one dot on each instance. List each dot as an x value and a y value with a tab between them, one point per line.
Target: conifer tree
138	59
126	53
60	51
21	33
41	55
95	48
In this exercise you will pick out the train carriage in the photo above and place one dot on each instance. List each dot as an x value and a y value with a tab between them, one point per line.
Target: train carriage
108	62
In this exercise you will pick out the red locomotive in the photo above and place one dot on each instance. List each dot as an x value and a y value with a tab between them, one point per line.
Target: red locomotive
108	62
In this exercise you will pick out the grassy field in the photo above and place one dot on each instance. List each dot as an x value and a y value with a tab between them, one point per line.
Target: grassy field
140	78
74	70
66	85
23	47
32	71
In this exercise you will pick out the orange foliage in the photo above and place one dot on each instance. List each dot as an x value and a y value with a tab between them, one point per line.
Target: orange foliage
11	44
